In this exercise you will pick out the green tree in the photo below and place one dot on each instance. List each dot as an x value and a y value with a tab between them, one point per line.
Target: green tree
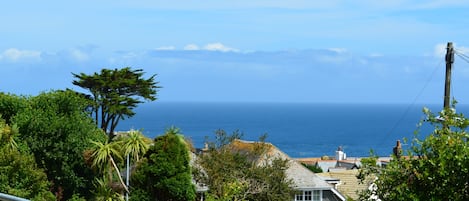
240	172
116	93
103	192
10	105
19	174
8	135
313	168
435	168
165	171
134	144
102	157
57	130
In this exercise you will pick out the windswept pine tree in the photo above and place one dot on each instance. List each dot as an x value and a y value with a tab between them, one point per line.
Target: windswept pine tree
116	93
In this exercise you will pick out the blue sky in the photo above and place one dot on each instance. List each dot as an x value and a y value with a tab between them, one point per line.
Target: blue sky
246	50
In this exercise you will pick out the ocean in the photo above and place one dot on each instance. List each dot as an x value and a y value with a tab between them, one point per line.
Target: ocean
298	129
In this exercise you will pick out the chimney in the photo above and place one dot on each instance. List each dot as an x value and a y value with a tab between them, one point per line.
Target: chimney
397	150
205	147
339	154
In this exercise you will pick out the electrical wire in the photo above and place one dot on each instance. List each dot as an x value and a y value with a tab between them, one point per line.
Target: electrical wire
399	121
462	56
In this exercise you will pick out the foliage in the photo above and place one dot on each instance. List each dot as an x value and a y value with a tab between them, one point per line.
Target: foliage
134	144
19	174
105	158
165	171
102	192
435	168
102	157
313	168
8	135
10	105
76	197
239	174
57	130
116	93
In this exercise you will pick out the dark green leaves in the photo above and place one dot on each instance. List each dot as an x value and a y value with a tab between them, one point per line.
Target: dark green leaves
435	168
116	93
165	172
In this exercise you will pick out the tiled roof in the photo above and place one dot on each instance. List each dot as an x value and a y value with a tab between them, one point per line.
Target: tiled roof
349	184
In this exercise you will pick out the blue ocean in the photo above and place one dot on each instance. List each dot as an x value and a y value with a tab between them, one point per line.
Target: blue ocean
298	129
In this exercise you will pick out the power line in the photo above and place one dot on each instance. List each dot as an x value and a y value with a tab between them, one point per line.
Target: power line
398	122
462	56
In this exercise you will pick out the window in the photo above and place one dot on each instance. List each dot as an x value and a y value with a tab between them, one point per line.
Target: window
314	195
299	197
307	195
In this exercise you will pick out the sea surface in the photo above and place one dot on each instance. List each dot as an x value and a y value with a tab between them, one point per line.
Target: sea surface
298	129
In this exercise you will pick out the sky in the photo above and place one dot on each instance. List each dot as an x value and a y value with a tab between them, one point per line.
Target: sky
304	51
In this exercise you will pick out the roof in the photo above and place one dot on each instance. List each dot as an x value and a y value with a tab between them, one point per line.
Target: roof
302	177
325	165
349	184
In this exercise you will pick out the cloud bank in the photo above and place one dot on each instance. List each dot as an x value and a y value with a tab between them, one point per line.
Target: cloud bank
16	55
216	72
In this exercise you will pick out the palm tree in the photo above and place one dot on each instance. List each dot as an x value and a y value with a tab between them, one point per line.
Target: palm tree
103	193
8	135
102	156
134	144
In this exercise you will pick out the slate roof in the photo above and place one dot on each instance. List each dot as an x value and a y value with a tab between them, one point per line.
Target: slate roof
302	177
349	184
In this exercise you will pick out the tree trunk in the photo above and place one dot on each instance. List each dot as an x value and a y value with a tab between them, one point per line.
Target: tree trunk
119	174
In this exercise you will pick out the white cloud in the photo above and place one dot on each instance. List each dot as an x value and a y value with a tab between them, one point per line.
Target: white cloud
219	47
191	47
209	47
440	50
15	55
166	48
79	55
338	50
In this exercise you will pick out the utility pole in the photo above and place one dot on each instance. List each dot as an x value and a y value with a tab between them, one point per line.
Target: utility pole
449	62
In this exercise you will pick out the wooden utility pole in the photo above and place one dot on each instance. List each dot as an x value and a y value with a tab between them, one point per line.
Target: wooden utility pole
449	62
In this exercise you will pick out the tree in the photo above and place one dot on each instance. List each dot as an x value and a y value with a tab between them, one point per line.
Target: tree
165	171
116	93
57	130
8	135
10	105
242	173
435	168
134	144
102	157
19	174
313	168
102	191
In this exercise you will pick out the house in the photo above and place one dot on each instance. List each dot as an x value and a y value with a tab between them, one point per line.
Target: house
346	182
310	186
